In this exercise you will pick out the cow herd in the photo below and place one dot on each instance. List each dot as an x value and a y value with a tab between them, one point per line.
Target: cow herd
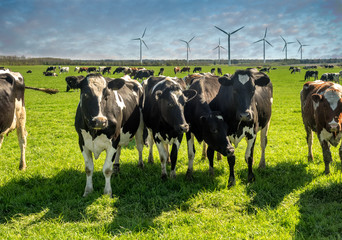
220	111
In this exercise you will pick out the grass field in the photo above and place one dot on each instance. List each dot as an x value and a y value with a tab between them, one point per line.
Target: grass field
289	199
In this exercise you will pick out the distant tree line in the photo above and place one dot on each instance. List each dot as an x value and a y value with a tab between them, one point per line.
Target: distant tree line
15	60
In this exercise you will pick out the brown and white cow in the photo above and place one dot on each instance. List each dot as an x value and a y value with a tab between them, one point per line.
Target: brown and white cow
321	104
176	70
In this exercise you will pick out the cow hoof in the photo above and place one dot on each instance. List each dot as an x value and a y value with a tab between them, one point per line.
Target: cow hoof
189	176
141	165
231	182
173	174
87	192
22	167
150	160
262	165
310	159
109	194
251	178
211	172
164	177
116	169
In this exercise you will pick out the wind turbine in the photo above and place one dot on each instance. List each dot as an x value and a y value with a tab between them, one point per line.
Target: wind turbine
264	41
228	34
187	48
285	47
219	50
141	42
301	49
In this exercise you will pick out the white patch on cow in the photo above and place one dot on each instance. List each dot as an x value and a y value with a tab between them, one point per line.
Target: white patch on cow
98	145
219	117
271	100
119	100
235	139
126	78
333	97
125	138
168	140
243	79
333	124
163	81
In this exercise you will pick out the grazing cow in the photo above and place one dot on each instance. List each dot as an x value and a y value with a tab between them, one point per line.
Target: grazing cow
185	69
119	70
212	71
76	69
106	70
63	69
197	69
219	71
144	73
91	69
163	112
107	118
310	74
161	71
29	71
245	101
176	70
265	69
333	77
83	69
12	108
321	105
205	125
295	69
50	74
50	69
73	82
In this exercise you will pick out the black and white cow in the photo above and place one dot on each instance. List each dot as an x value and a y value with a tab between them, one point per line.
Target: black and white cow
245	101
144	73
107	118
63	69
205	125
73	82
163	112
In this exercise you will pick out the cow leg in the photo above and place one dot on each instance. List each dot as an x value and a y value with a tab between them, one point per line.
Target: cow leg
168	155
173	157
326	155
340	153
1	139
249	158
210	154
139	140
108	168
89	169
191	154
22	134
263	144
163	155
218	156
231	162
116	162
204	151
309	140
150	145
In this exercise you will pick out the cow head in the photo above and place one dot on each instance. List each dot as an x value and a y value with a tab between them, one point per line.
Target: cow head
97	100
328	108
215	133
171	101
243	85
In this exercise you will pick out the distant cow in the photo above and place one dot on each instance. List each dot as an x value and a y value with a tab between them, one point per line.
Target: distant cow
295	69
73	82
212	71
176	70
76	69
163	112
333	77
91	69
82	69
29	71
310	74
106	70
119	70
50	69
144	73
197	69
107	118
245	102
63	69
265	69
321	105
185	69
51	74
206	125
161	71
219	71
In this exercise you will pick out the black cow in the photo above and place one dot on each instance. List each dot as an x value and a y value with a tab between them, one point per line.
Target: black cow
29	71
204	123
310	74
161	71
141	74
51	74
91	69
163	112
197	69
245	101
108	116
219	71
106	70
50	69
119	70
73	82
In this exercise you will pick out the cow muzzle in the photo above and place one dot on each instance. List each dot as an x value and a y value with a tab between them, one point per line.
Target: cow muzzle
100	123
334	127
246	116
182	128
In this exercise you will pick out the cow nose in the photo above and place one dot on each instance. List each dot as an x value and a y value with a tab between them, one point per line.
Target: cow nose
100	122
184	127
246	116
334	127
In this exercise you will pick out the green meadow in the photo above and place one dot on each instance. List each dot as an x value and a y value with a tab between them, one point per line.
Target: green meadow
290	198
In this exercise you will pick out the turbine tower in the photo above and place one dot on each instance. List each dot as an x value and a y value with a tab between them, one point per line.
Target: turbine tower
285	47
264	41
228	34
218	47
301	48
187	48
141	42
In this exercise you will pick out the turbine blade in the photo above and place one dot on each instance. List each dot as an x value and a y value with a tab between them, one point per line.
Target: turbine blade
265	33
283	39
305	45
237	30
183	41
144	44
290	42
223	48
144	33
222	30
300	48
269	43
284	48
299	42
191	39
136	39
258	40
216	48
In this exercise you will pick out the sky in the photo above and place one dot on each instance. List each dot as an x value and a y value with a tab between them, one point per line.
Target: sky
104	29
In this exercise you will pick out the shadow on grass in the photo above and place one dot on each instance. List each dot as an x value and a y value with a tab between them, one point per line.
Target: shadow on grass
274	183
320	213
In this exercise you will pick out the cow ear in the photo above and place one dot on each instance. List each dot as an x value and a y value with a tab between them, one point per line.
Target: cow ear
189	94
261	79
225	81
316	97
116	84
158	94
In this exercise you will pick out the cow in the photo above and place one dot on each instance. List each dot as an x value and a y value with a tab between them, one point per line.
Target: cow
212	71
29	71
265	69
119	70
245	102
76	69
63	69
108	116
176	70
50	69
163	113
321	107
83	69
143	73
197	69
206	125
51	74
12	108
309	74
219	71
295	69
161	71
91	69
73	82
333	77
106	70
185	69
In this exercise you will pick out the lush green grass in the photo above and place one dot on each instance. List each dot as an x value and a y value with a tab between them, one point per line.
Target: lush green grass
290	198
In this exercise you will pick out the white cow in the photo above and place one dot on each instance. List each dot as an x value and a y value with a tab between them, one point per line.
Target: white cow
63	69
